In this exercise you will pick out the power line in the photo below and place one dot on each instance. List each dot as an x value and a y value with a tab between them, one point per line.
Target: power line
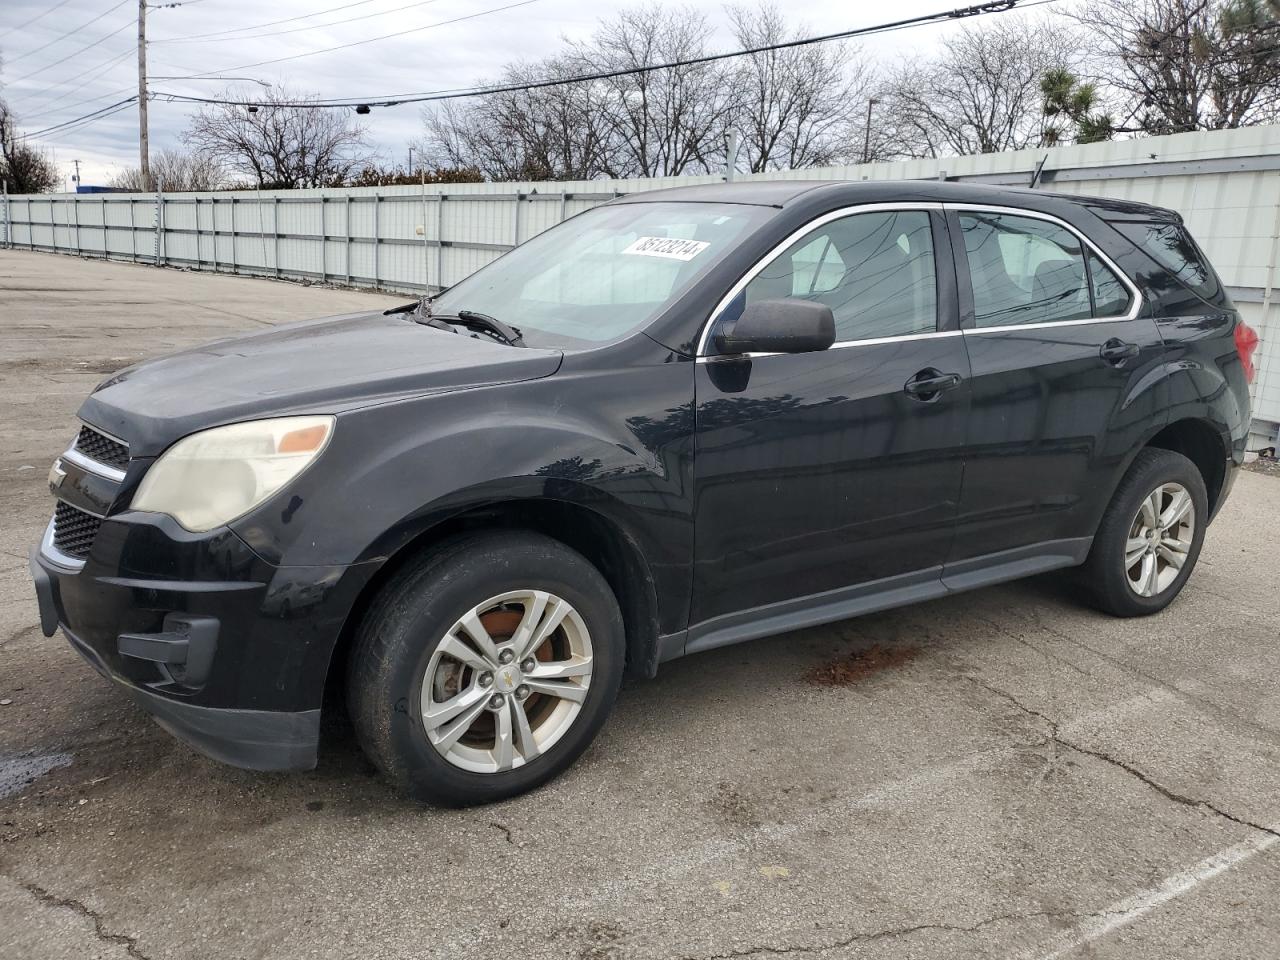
75	53
80	126
47	108
996	6
95	115
316	26
358	43
97	71
269	23
39	16
991	7
70	33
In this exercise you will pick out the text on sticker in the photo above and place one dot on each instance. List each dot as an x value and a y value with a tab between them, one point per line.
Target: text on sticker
673	248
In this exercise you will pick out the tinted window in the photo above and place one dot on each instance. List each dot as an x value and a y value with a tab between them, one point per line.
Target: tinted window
1111	298
1023	270
1171	246
1027	270
875	271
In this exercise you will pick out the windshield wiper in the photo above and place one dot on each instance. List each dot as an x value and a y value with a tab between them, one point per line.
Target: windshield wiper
472	320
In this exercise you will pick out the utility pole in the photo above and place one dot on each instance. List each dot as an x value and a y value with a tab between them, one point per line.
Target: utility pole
144	152
731	157
866	139
76	178
411	159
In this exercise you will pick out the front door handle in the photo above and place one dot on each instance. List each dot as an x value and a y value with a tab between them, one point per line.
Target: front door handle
1116	351
930	383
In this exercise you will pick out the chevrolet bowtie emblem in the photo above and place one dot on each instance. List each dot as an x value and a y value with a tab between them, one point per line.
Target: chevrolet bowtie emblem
56	475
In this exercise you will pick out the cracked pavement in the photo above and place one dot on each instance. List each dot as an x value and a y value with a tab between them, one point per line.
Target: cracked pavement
1037	781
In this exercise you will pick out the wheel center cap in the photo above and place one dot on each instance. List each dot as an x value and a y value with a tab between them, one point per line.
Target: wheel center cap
507	679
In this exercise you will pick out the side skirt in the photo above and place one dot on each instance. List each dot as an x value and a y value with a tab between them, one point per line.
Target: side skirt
927	584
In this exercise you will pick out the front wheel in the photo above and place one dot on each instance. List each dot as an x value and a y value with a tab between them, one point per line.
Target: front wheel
486	667
1150	537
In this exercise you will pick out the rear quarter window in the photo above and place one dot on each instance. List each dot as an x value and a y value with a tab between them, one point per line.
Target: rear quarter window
1171	246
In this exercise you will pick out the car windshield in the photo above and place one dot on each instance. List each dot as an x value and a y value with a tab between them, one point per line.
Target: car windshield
604	273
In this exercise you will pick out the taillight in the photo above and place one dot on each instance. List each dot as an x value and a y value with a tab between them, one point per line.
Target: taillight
1246	343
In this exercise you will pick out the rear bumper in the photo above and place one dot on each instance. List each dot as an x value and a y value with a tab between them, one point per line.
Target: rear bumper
225	651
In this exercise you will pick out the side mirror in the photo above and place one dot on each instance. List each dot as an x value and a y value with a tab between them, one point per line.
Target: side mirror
779	326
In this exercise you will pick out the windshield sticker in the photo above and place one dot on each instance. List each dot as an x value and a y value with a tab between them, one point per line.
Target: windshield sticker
673	248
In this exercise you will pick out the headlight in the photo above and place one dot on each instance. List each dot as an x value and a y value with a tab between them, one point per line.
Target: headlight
212	477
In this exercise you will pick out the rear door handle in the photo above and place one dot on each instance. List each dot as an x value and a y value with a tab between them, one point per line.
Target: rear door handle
1116	351
930	383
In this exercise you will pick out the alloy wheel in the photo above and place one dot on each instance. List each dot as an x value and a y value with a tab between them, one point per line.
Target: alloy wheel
507	681
1159	539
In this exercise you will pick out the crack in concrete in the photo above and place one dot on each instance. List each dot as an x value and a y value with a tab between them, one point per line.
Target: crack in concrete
1223	713
19	633
893	933
1018	638
99	929
504	828
1054	735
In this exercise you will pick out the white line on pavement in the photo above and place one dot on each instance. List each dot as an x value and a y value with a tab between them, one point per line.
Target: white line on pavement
1126	911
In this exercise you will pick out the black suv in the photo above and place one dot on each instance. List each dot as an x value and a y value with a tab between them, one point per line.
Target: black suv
680	420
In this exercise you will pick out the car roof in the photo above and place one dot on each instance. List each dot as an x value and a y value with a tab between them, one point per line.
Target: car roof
783	193
764	193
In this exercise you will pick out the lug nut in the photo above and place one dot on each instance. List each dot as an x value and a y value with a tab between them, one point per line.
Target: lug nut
522	691
506	656
496	701
529	665
486	679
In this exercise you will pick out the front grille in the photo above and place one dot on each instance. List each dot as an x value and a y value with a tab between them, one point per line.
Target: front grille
100	447
74	530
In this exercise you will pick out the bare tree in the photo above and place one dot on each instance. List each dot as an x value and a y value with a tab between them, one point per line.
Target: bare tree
663	122
549	133
23	168
176	171
981	94
636	124
797	106
283	143
1189	64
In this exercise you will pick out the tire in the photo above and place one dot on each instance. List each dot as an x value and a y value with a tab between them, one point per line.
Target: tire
405	647
1123	590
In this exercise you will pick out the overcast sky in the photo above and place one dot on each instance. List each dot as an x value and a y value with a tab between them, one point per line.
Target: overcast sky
437	55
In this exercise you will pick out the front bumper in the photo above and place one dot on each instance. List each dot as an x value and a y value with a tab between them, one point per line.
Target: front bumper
252	739
226	651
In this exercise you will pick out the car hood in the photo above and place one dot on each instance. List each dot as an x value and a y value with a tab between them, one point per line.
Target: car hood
318	366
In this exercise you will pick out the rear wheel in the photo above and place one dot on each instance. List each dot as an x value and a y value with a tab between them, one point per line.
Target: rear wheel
485	668
1150	537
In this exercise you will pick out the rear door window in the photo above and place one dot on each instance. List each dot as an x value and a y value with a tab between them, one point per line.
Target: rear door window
1111	298
1027	270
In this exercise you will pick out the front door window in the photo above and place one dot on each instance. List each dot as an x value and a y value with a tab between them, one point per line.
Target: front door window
874	270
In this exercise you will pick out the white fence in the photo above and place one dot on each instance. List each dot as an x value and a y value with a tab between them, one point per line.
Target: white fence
1226	184
393	238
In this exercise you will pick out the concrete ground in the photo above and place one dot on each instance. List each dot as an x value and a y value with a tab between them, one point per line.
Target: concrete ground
998	774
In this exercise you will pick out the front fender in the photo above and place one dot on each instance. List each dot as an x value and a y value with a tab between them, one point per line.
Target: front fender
618	442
